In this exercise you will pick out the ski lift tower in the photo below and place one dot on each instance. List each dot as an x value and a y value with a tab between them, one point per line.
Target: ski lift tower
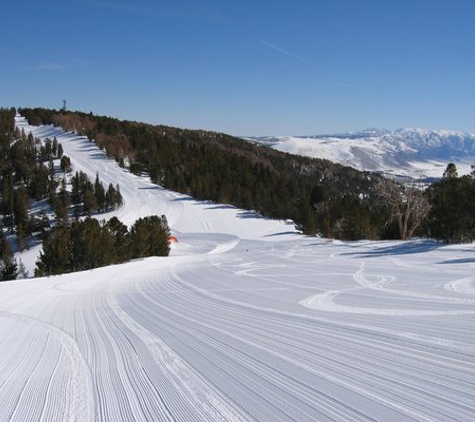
64	106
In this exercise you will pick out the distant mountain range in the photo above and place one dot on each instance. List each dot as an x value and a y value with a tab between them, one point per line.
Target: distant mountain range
417	153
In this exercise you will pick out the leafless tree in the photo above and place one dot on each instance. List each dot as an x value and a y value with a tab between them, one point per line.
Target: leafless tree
407	202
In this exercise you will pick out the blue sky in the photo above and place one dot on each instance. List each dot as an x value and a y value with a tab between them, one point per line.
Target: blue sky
246	67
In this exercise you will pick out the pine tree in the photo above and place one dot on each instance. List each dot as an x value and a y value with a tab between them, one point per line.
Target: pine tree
76	197
56	255
119	232
100	194
60	151
8	264
149	237
6	204
450	171
54	147
117	197
65	164
113	198
452	215
61	203
90	203
92	245
21	216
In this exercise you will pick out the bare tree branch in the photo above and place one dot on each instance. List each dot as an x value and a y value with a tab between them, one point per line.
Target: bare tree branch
408	204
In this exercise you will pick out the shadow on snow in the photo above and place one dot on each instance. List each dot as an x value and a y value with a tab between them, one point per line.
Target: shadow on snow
403	248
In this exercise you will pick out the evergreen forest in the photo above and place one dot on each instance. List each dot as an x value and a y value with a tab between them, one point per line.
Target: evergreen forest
42	200
321	197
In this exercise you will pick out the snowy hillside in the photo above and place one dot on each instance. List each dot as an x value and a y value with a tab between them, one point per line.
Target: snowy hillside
142	198
245	321
416	153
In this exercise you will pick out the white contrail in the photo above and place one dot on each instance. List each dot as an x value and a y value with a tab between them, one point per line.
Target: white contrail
287	53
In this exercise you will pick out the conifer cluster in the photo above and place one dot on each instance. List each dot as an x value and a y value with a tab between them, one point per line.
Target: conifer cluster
29	174
452	215
218	167
88	244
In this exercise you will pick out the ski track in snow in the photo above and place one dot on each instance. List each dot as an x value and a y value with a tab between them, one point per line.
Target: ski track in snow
243	322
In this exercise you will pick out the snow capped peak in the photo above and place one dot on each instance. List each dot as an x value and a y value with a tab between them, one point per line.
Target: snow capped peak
413	152
430	132
372	132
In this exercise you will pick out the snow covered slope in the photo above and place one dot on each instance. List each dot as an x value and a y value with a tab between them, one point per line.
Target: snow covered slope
142	198
416	153
243	322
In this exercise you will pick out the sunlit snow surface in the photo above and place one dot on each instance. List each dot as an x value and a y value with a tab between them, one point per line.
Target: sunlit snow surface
242	322
414	153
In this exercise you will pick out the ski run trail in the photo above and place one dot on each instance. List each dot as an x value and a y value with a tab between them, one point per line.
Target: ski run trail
245	321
